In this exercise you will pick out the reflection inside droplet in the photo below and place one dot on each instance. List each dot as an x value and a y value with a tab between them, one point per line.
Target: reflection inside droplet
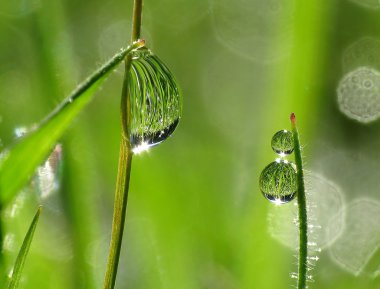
283	142
281	199
278	182
145	141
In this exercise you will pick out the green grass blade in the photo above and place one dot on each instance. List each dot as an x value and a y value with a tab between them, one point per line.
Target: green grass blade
21	257
20	162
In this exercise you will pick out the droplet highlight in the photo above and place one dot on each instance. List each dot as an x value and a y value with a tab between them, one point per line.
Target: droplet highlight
359	94
156	101
283	142
278	182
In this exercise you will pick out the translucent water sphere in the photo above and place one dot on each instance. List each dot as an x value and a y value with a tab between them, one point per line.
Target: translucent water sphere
278	182
156	102
359	94
283	142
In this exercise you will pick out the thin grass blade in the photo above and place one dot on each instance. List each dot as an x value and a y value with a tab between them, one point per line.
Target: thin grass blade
21	257
19	162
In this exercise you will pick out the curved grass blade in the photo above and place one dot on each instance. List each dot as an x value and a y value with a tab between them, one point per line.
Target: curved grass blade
21	257
19	163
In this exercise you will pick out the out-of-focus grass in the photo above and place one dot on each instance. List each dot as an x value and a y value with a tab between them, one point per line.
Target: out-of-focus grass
196	218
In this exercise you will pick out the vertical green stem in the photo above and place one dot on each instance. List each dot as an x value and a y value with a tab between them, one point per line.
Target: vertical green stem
125	163
120	206
302	211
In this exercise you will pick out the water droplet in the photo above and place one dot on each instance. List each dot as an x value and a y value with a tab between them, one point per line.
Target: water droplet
283	142
278	182
156	102
359	94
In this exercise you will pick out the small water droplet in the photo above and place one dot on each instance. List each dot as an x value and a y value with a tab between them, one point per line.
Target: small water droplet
283	142
278	182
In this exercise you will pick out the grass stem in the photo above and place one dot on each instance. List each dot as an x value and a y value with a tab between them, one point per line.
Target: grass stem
120	206
125	164
302	212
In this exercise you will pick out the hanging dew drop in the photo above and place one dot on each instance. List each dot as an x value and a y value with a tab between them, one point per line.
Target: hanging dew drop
283	143
278	182
155	98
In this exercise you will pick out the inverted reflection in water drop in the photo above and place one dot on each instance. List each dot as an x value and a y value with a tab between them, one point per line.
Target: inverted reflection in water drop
360	239
359	94
156	101
260	30
325	200
278	182
283	142
364	52
143	142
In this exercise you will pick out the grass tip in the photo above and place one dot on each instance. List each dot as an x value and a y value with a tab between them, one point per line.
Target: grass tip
293	118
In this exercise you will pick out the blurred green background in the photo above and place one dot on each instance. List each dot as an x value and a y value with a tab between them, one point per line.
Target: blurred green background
196	217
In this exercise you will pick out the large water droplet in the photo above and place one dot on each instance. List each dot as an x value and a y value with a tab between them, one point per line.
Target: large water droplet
283	142
156	102
278	182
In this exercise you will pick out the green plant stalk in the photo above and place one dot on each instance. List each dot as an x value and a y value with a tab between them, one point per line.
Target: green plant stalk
125	163
302	211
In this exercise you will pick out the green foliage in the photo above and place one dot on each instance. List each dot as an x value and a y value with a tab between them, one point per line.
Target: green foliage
19	162
23	253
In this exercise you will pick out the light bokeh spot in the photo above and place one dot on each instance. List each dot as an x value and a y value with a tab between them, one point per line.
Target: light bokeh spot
361	236
324	200
359	94
259	30
363	52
